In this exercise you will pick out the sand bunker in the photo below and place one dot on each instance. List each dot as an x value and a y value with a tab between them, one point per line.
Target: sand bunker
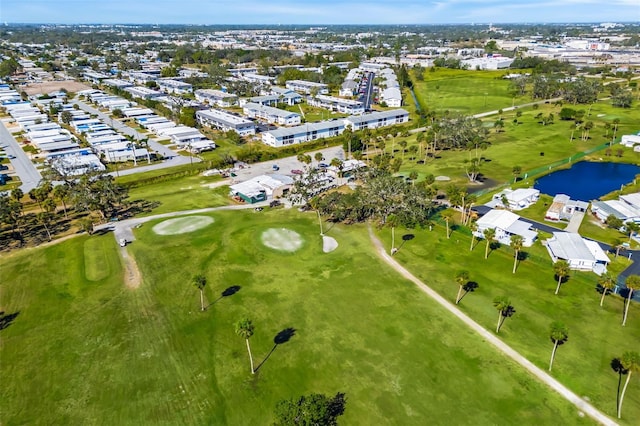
182	225
282	239
329	244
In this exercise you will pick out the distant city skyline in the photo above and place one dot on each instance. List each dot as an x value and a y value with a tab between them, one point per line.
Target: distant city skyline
309	12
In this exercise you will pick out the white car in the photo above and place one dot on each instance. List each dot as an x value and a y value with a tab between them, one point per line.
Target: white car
123	242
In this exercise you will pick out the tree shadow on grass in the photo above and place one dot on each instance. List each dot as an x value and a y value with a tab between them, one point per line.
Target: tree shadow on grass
229	291
616	365
282	337
7	319
469	287
405	238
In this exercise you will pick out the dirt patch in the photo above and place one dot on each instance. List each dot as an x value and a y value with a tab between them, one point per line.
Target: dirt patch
282	239
182	225
329	244
52	86
132	276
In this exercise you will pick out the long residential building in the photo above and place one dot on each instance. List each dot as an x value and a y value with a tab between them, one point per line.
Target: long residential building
307	87
344	106
327	129
226	121
216	97
377	119
271	114
303	133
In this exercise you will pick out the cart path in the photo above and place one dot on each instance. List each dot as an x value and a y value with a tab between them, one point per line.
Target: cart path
507	350
124	230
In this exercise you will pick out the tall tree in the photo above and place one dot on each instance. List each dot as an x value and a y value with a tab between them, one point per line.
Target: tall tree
462	278
447	215
516	245
632	283
606	282
505	310
244	329
61	193
559	333
561	269
631	362
200	281
489	235
473	227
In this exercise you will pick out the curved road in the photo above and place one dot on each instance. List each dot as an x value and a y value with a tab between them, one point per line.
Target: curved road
540	374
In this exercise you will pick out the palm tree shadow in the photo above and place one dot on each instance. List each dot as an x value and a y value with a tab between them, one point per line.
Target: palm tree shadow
330	227
405	238
616	365
282	337
7	319
229	291
469	287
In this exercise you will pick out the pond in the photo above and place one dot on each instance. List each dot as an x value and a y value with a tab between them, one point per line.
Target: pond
586	181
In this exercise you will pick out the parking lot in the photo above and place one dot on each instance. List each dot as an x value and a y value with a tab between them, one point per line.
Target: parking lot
285	165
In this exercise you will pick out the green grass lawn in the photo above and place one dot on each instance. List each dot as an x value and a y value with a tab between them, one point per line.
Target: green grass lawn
184	193
595	337
529	144
84	349
467	92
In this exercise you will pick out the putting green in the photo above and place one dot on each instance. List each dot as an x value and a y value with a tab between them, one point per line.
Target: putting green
182	225
282	239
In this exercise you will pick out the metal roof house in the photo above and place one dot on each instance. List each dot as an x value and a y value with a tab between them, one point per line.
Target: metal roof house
261	188
506	224
580	253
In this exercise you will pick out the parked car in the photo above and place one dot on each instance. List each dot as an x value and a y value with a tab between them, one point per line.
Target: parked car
123	242
275	167
275	203
296	172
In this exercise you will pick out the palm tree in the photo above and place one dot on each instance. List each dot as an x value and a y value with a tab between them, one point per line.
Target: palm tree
392	221
607	282
561	269
559	334
503	305
318	156
132	145
516	244
631	228
631	362
489	235
462	278
473	226
632	283
200	281
244	329
447	215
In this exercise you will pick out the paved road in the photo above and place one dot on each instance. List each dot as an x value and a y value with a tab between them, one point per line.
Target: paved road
368	93
488	336
22	165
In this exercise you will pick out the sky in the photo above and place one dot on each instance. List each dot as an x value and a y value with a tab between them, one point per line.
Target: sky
248	12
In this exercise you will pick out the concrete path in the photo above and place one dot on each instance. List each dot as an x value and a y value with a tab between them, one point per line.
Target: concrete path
575	222
540	374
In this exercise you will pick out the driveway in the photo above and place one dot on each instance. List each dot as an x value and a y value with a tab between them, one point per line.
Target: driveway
22	165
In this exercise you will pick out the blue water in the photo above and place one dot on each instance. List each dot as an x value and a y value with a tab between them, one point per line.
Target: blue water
586	181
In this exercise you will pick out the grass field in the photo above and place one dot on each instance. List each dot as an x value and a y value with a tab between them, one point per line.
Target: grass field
466	92
83	349
595	337
184	193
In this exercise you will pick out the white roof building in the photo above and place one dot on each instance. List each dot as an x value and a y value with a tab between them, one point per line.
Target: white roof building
506	224
216	97
580	253
517	199
226	121
306	87
617	208
271	114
